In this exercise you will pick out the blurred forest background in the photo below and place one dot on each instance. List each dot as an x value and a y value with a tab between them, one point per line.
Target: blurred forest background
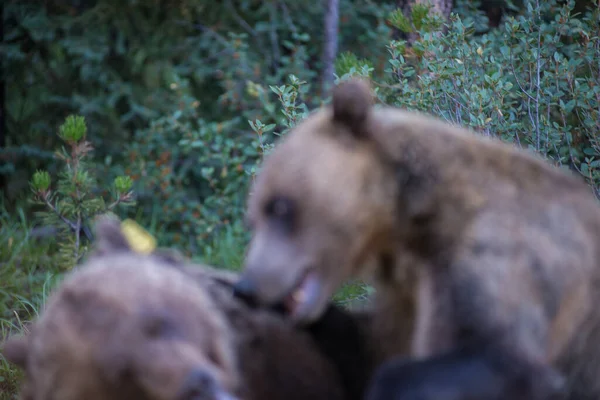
162	110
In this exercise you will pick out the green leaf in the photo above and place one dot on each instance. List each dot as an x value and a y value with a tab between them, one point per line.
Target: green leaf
73	129
41	181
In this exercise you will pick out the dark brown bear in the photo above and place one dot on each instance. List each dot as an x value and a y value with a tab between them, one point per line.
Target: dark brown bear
153	327
488	257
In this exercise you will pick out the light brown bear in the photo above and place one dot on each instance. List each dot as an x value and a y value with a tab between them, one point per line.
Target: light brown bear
488	272
153	327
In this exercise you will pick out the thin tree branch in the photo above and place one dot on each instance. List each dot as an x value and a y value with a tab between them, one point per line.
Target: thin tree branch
287	17
77	232
512	68
241	21
71	224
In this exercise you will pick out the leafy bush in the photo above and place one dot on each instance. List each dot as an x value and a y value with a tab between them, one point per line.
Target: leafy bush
190	176
116	63
534	83
200	170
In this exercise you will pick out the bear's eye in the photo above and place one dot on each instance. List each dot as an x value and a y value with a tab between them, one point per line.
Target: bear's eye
158	325
278	207
282	210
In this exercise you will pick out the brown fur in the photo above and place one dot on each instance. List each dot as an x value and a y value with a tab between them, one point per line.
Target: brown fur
129	326
481	245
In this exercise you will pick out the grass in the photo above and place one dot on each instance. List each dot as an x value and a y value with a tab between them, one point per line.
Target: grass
29	271
26	274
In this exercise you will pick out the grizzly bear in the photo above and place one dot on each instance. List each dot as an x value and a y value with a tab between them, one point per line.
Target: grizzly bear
487	256
126	325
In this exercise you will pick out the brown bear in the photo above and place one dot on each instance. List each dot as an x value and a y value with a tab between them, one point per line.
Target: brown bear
487	256
132	326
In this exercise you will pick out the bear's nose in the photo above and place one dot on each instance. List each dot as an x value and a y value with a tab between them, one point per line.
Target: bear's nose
245	290
198	385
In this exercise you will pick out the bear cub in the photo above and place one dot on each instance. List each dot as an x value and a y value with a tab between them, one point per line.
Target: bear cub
154	327
486	255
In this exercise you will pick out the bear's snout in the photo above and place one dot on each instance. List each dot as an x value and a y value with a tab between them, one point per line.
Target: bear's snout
200	385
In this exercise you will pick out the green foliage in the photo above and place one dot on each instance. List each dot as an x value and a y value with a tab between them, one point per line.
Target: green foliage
199	170
41	181
400	21
189	175
72	206
533	83
27	270
122	185
73	130
125	64
349	63
422	19
288	96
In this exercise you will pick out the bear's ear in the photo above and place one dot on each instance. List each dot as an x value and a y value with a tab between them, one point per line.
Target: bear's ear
352	101
15	350
109	237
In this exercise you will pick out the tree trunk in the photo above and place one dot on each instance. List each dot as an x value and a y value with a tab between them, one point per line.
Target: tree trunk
330	47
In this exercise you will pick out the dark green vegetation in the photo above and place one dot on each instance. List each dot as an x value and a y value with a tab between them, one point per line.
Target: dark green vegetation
179	100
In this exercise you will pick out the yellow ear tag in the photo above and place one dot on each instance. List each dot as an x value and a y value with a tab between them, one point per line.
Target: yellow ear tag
138	238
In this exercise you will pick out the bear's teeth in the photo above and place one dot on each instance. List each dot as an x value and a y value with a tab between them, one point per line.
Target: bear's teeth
299	295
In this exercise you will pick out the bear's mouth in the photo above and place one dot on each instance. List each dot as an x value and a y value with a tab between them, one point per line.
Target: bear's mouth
304	296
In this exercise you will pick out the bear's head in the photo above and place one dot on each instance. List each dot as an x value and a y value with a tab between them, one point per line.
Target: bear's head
125	325
321	206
